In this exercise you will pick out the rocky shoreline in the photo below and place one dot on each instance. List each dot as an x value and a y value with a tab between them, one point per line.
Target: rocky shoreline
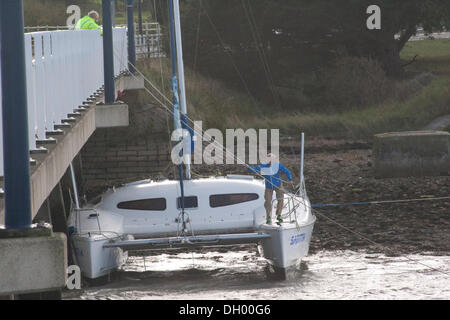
341	171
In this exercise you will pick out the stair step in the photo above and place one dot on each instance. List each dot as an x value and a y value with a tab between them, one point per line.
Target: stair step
46	142
69	120
80	109
33	162
62	126
74	115
39	154
52	133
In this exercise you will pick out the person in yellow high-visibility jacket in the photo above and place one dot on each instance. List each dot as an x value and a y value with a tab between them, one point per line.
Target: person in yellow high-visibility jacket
88	22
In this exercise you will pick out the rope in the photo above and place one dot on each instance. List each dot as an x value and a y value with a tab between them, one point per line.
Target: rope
163	89
379	245
260	50
214	142
197	36
222	43
309	206
343	204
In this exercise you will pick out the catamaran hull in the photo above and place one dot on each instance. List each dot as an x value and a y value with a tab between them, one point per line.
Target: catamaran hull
287	244
94	260
104	233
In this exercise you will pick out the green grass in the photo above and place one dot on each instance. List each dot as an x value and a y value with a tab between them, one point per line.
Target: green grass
427	49
221	107
432	55
433	101
208	99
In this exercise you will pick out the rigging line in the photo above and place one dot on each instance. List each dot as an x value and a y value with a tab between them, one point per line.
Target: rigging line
214	142
266	60
377	244
231	59
162	82
346	228
255	25
340	224
192	121
154	8
196	131
344	204
305	204
253	31
198	36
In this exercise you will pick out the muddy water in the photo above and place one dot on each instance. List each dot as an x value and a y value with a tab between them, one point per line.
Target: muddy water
244	274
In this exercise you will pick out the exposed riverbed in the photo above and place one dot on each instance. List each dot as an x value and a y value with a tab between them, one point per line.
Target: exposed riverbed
243	275
411	258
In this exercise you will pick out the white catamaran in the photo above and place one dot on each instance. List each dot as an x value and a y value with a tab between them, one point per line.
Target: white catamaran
188	213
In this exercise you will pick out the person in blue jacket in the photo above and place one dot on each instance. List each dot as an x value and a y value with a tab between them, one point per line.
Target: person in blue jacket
271	173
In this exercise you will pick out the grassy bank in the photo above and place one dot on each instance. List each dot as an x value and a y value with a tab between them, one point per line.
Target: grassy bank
413	114
431	55
221	107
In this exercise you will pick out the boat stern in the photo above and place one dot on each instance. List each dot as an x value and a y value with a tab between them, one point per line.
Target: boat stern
288	243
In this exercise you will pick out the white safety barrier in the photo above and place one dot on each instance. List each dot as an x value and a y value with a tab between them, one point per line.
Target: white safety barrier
63	69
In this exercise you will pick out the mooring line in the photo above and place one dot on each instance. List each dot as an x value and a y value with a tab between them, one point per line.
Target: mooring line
328	205
377	244
344	204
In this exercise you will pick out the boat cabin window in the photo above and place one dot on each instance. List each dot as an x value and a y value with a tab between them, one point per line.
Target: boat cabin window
154	204
189	202
222	200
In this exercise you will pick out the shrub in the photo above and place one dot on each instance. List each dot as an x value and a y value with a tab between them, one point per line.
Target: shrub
354	82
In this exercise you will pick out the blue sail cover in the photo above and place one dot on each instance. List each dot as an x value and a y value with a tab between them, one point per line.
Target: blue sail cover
185	125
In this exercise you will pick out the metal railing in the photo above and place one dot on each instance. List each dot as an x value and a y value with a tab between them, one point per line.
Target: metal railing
291	202
150	43
63	68
44	28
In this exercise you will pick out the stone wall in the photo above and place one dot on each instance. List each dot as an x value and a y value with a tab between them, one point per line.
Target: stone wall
114	156
416	153
110	158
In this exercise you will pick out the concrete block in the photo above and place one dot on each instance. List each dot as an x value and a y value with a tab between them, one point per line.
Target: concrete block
33	263
132	82
415	153
111	115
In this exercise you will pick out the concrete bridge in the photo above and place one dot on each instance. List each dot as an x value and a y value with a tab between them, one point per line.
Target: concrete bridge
64	76
65	87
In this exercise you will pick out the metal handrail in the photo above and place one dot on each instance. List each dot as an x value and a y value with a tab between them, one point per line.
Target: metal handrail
290	203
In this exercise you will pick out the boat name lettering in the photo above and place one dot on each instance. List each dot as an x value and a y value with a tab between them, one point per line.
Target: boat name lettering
297	239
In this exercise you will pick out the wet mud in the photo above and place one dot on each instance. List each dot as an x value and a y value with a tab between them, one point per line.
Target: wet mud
378	251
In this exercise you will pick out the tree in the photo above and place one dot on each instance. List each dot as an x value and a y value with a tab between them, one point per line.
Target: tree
310	29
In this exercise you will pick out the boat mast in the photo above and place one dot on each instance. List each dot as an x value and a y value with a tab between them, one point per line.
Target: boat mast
176	106
179	47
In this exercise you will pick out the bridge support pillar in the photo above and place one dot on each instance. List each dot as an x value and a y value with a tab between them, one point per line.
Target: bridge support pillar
108	52
131	37
15	116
